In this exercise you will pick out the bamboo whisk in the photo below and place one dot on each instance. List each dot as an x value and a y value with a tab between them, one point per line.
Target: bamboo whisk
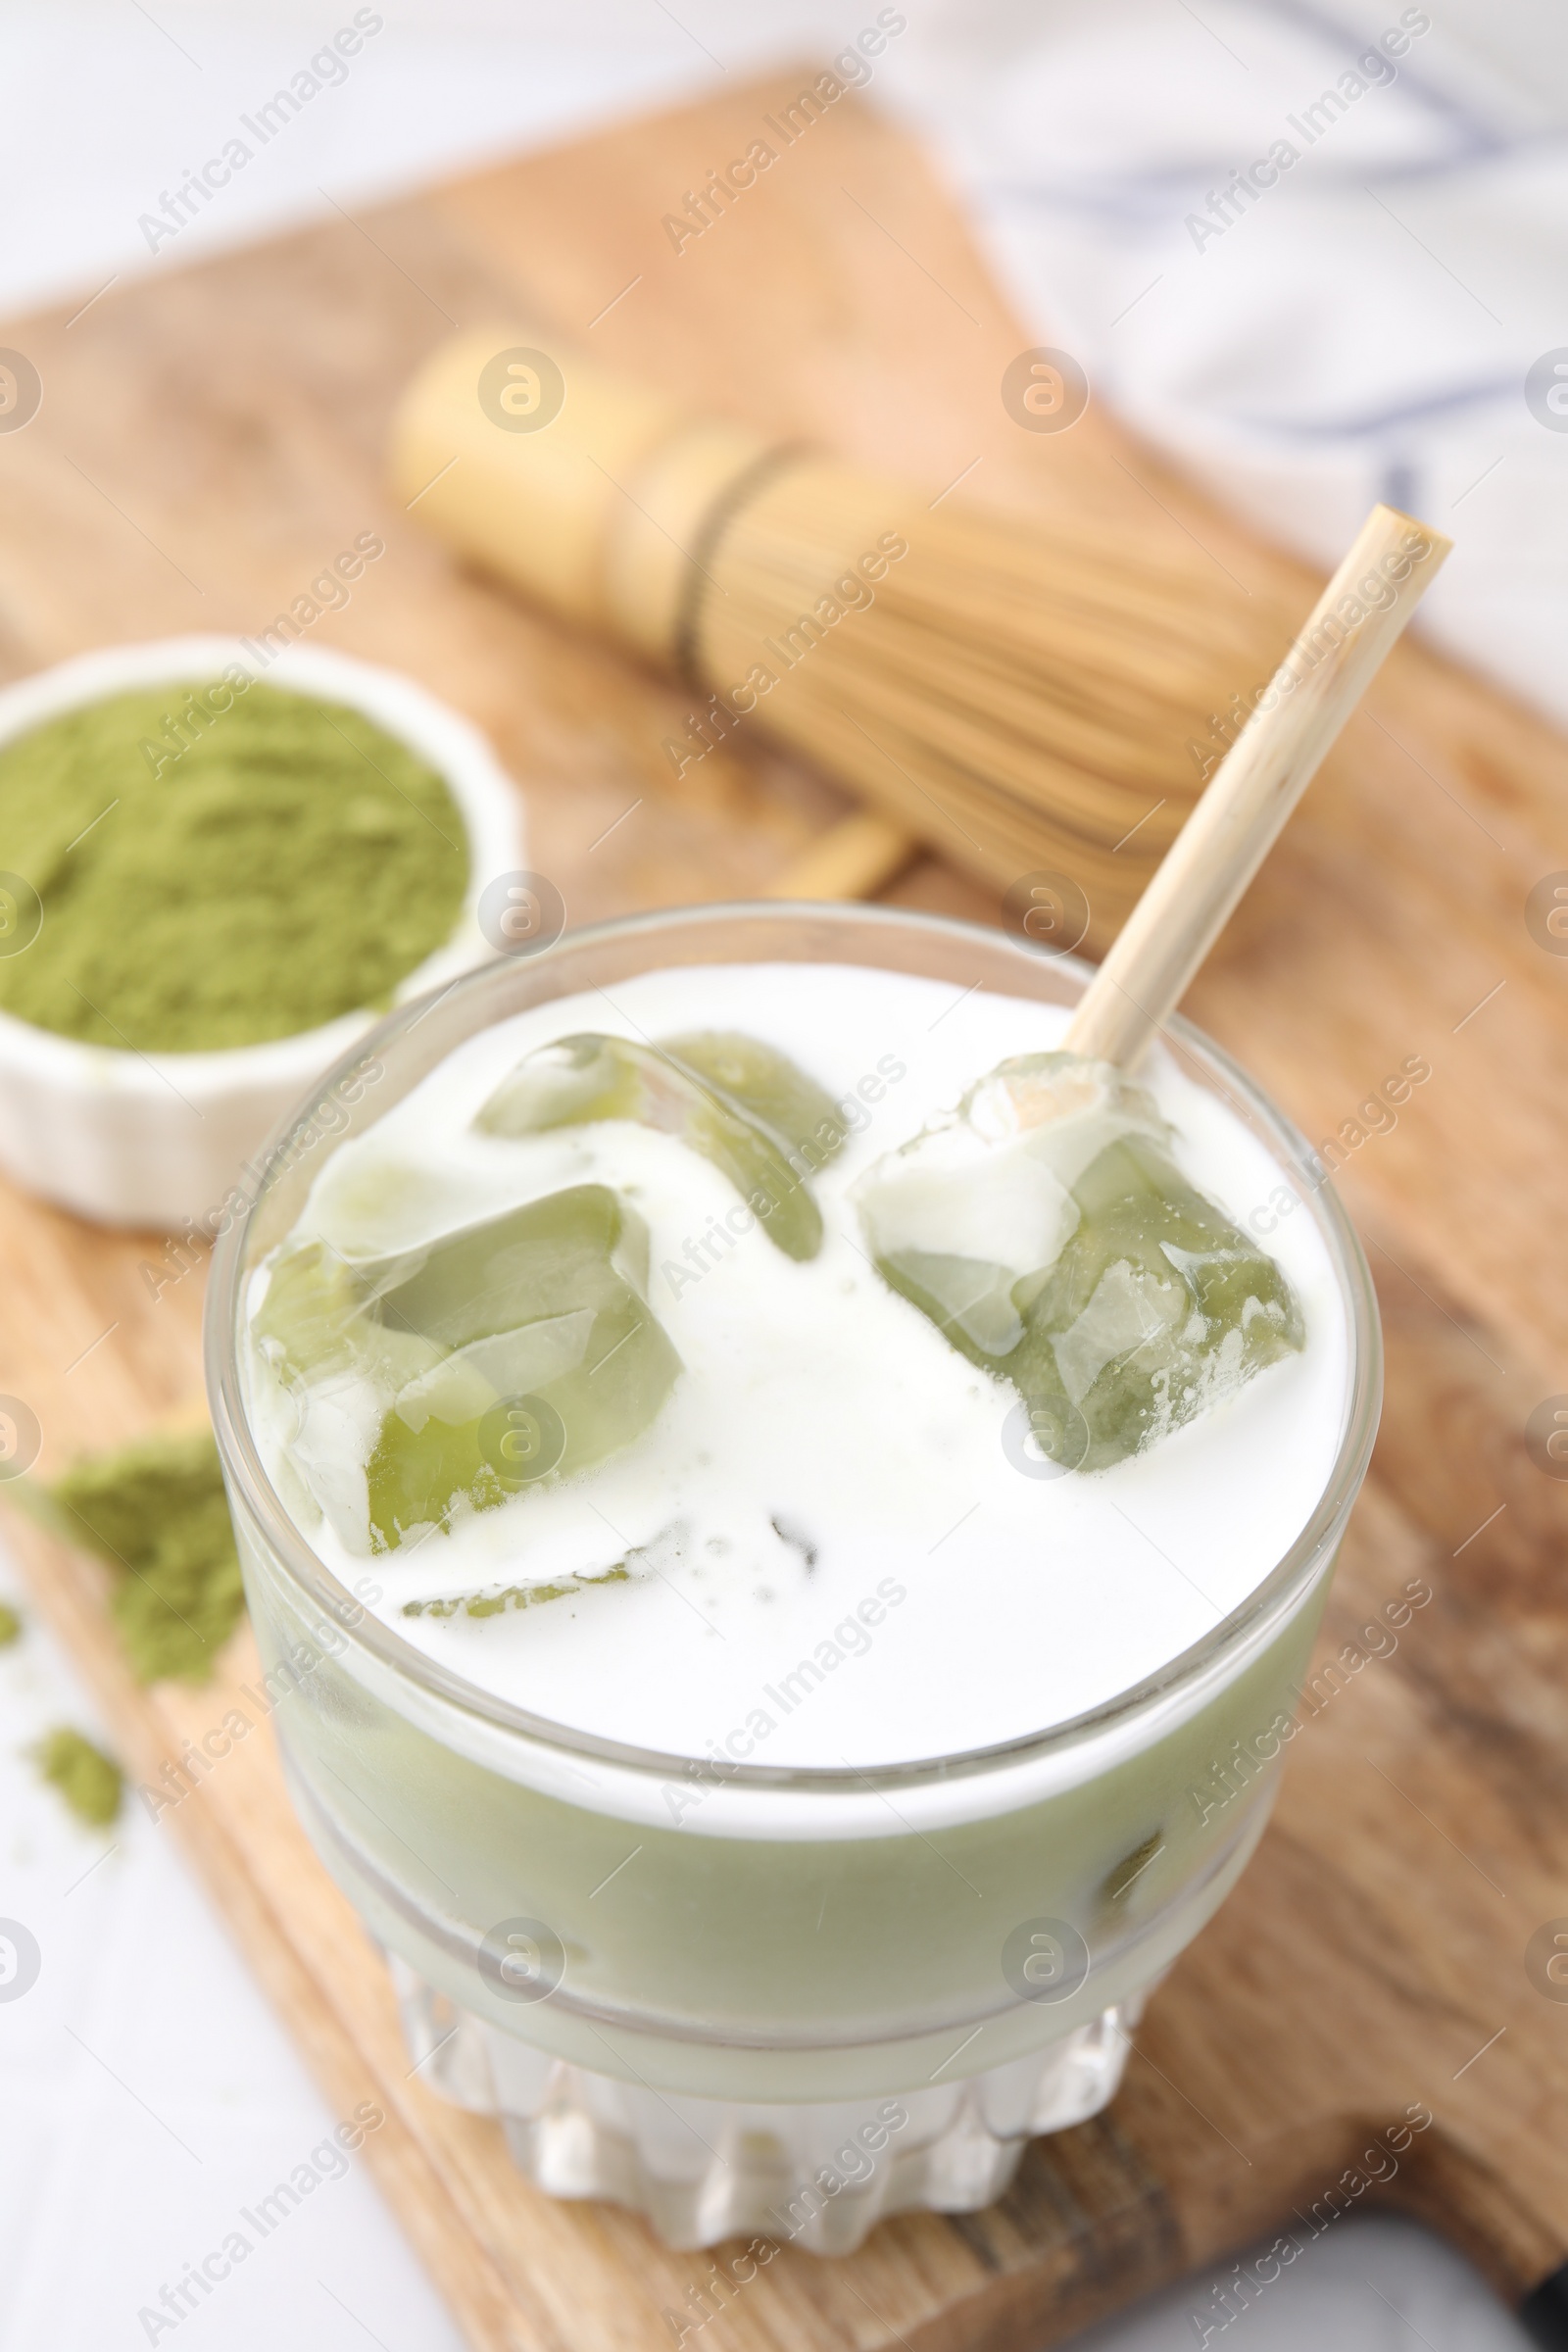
1023	697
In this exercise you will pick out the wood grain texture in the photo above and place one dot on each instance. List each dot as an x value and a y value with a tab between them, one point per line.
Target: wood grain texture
208	441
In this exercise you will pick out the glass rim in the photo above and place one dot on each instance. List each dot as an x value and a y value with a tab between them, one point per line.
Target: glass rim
244	1468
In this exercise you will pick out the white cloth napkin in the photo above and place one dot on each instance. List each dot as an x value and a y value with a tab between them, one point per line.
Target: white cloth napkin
1382	314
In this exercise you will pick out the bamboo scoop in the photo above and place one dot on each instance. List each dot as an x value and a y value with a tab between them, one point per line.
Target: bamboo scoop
1046	1227
1298	714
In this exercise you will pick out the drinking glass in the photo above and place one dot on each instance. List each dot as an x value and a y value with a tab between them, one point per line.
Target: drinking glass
769	1999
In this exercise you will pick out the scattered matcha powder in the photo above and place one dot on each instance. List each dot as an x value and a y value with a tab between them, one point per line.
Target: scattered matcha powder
290	864
88	1781
10	1625
156	1511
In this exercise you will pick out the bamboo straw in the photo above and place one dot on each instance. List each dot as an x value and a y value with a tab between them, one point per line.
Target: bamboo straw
1352	629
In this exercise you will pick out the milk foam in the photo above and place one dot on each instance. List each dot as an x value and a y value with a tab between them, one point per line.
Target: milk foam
837	1557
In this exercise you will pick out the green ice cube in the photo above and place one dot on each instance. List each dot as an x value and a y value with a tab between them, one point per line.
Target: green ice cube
307	1321
511	1596
747	1108
555	1358
316	1319
501	1354
641	1560
1149	1304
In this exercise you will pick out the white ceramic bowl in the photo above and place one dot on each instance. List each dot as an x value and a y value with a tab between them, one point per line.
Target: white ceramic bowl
160	1139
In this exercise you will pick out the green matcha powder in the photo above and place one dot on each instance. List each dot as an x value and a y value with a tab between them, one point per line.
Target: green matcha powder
223	864
89	1782
156	1511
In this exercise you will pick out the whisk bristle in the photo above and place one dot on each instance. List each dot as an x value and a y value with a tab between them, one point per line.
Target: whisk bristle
1024	694
1021	695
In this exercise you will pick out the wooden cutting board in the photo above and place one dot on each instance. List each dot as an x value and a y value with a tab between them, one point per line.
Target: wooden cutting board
208	440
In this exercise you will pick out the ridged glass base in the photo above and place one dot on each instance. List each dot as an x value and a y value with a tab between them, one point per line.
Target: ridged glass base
703	2170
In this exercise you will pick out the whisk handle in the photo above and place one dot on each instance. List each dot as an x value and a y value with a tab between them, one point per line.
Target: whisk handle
582	486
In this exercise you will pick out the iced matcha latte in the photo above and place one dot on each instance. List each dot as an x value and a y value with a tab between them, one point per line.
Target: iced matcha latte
789	1517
